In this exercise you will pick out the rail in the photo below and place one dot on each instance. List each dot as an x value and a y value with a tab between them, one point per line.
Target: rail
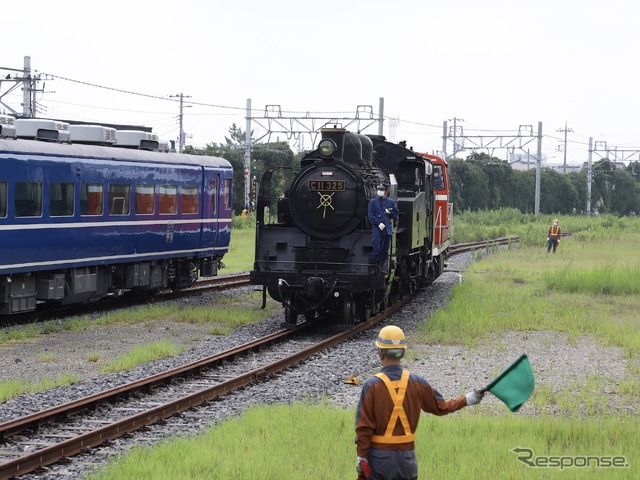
70	411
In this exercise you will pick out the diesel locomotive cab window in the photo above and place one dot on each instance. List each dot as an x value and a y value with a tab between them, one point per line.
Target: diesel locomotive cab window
91	199
168	198
145	199
61	199
28	199
119	203
3	199
189	200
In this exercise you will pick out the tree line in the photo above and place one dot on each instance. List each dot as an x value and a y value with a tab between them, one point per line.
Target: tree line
264	156
479	182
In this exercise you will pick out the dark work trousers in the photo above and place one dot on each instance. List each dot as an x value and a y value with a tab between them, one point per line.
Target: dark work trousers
381	242
392	464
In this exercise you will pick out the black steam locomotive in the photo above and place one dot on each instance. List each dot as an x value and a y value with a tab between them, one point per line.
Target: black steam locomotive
313	244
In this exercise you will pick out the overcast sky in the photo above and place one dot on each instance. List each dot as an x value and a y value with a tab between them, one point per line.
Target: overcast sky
496	64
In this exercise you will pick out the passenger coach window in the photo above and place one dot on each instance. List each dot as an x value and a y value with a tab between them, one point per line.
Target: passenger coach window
3	199
61	199
214	196
168	199
28	199
91	199
189	200
227	194
144	199
119	203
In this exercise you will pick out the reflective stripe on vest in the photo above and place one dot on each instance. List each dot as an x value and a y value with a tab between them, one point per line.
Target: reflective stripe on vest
397	390
554	231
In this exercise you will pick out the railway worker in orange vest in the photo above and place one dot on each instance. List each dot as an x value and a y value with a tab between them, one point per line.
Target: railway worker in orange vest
389	411
553	240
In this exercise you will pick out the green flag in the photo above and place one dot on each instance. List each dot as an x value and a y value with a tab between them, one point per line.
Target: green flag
514	386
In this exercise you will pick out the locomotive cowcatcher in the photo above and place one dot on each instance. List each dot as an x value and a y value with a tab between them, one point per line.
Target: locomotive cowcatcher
314	240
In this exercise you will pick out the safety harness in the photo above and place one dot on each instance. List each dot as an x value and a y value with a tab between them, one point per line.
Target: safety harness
397	390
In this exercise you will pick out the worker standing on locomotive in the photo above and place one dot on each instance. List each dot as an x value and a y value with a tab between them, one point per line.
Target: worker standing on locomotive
553	240
389	410
382	210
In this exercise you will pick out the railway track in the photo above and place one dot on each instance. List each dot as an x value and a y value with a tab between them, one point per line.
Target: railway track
130	299
46	437
467	247
204	285
234	280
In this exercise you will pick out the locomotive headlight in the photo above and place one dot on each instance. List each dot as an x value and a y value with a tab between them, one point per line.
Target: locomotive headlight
327	147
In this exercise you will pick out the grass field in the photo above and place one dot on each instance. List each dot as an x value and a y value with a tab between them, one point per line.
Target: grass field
589	287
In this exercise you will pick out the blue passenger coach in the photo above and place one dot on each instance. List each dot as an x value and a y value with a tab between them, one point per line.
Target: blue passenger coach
80	222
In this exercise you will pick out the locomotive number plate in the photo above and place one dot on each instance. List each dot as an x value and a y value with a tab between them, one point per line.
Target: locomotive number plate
326	185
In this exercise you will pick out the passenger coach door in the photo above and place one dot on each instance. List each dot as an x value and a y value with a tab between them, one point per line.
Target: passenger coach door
211	208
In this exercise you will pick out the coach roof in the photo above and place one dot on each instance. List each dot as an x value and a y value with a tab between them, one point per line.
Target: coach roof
32	147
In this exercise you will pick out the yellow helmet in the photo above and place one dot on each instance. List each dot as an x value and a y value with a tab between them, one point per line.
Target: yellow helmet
555	220
391	337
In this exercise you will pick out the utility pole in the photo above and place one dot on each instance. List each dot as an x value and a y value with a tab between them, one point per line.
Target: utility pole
28	110
589	174
566	130
247	159
181	137
536	206
380	116
455	134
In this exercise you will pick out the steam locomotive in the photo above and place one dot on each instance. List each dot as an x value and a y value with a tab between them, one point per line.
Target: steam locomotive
81	218
314	240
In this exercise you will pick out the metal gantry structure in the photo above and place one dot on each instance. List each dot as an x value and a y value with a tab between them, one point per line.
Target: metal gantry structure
614	154
22	78
455	134
295	127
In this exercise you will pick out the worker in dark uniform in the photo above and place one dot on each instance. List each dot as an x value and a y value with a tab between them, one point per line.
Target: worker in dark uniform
438	182
553	240
389	411
382	210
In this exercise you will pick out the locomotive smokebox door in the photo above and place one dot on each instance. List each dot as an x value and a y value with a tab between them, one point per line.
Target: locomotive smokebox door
329	201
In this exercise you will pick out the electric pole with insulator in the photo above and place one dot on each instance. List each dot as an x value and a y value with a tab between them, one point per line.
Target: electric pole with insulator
181	141
565	131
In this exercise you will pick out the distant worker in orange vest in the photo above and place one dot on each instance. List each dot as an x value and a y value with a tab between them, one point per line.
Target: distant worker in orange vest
553	240
389	411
